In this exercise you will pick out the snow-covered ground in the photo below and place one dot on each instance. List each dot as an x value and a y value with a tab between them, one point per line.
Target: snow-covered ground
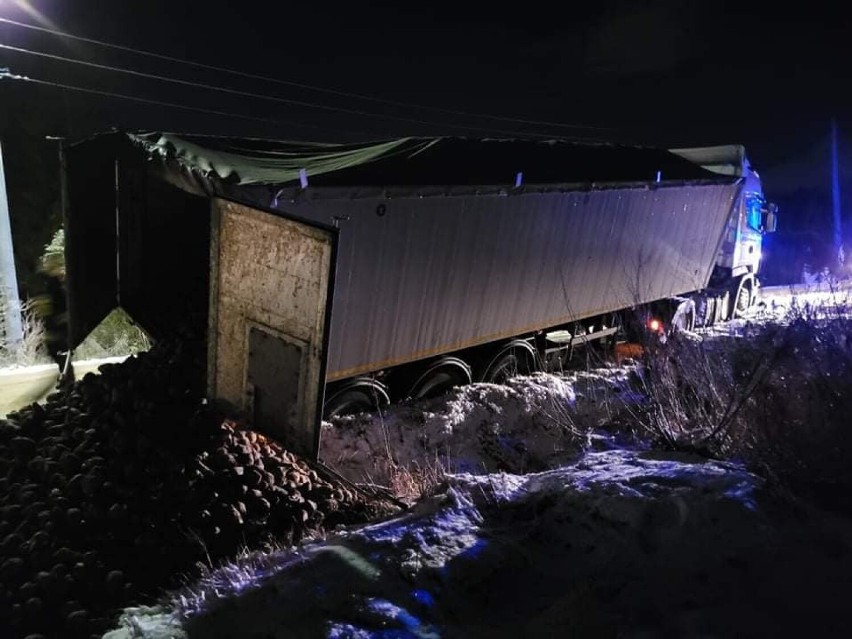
784	303
550	519
530	424
619	543
20	386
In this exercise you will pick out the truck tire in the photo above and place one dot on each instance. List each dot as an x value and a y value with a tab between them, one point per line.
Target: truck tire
684	317
357	396
705	310
440	377
742	297
517	358
723	307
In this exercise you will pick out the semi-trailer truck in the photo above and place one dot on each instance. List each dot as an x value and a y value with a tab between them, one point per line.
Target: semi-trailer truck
331	278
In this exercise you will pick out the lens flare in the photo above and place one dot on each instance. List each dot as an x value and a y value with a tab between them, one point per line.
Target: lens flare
27	7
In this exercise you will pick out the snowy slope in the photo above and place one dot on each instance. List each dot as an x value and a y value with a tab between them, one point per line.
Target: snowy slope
552	522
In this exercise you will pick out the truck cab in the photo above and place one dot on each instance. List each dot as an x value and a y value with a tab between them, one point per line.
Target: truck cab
740	251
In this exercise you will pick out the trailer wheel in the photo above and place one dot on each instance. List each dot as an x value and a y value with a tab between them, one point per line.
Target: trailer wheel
743	299
705	310
723	307
440	378
684	317
359	396
517	358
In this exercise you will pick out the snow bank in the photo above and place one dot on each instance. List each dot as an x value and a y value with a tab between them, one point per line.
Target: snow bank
530	424
474	428
147	622
634	544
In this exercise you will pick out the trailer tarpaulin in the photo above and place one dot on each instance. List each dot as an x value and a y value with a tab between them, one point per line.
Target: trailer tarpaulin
415	161
260	162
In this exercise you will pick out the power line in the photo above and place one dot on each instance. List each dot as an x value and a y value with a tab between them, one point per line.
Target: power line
310	87
5	74
260	96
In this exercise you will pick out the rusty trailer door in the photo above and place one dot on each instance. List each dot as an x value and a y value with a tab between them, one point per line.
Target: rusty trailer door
270	294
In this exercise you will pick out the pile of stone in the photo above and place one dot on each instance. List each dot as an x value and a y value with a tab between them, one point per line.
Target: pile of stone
124	483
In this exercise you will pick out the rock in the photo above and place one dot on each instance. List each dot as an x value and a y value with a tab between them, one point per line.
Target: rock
74	516
43	579
28	590
79	571
11	543
77	620
23	447
67	556
33	607
115	581
74	487
118	512
12	571
254	477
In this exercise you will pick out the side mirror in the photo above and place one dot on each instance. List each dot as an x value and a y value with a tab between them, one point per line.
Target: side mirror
770	218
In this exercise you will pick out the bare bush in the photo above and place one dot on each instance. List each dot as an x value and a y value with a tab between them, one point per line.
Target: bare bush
415	481
798	427
403	483
386	471
31	349
777	396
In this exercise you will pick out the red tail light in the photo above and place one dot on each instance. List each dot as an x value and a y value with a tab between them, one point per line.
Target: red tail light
655	325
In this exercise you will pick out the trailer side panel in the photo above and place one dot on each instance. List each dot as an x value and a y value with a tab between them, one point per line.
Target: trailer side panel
418	277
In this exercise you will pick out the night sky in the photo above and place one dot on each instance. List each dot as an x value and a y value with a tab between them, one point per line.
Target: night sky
651	73
645	72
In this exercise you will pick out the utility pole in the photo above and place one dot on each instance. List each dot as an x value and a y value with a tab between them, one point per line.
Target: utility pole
835	196
11	304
